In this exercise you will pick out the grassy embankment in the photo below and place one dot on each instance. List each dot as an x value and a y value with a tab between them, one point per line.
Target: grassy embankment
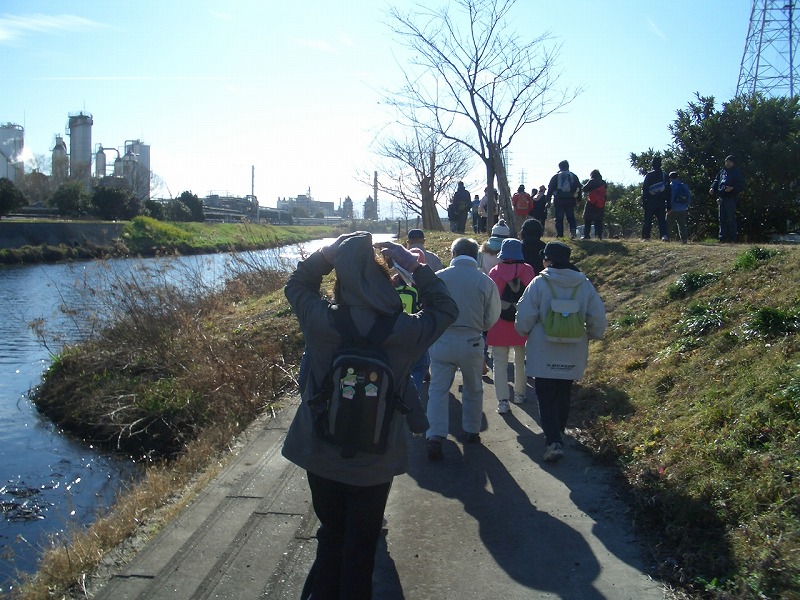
694	395
144	236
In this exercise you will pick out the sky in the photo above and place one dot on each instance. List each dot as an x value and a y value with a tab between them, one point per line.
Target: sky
282	98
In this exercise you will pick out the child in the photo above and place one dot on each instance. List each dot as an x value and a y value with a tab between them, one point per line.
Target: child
677	207
512	273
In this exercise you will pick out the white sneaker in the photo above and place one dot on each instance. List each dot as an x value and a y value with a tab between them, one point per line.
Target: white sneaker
519	398
553	452
502	407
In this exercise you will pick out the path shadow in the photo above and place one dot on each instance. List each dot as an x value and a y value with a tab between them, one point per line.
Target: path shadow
537	550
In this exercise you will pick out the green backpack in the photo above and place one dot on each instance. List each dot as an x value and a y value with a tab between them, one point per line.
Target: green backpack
564	322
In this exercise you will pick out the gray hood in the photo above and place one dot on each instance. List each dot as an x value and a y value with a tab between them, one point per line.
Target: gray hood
362	283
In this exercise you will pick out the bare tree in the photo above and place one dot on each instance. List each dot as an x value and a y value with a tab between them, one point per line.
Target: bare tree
410	165
474	80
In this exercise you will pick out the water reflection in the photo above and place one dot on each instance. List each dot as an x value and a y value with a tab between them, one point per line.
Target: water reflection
47	479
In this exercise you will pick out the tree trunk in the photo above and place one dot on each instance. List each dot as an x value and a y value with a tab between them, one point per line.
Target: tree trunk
430	216
506	209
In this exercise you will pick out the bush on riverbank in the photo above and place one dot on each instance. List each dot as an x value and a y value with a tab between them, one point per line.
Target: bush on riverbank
694	395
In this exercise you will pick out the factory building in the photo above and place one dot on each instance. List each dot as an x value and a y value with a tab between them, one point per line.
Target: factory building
12	143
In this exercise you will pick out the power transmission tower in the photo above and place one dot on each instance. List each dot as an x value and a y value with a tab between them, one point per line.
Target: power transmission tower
769	63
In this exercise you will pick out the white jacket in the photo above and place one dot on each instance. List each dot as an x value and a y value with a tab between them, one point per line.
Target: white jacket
554	360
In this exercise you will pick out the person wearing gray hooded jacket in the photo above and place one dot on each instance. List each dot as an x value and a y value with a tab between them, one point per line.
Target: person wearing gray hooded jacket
555	365
349	494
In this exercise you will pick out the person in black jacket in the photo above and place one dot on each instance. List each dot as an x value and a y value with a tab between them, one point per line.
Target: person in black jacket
532	244
655	192
726	187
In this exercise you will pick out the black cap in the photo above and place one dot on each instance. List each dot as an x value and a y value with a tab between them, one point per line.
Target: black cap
731	158
416	234
557	253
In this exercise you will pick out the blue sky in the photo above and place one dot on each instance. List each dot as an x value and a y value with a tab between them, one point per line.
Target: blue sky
294	88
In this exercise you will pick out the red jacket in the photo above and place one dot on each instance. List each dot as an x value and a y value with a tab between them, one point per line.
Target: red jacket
523	203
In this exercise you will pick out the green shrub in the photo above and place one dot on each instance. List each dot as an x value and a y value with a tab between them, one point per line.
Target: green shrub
689	283
750	258
771	323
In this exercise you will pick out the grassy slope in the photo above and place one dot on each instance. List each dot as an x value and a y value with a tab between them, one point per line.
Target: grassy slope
694	394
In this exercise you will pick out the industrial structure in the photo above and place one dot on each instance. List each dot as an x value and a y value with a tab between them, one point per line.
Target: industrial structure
12	143
770	63
131	168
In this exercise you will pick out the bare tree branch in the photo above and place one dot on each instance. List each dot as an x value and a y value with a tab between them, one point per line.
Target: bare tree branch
472	80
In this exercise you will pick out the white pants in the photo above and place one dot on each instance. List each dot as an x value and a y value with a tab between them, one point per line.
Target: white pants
456	349
500	366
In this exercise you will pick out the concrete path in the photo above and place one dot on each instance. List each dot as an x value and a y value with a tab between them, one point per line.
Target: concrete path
490	521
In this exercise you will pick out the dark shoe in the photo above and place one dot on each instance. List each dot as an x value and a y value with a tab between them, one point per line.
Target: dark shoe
473	438
435	451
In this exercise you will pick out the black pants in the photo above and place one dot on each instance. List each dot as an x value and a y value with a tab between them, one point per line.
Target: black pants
553	395
350	518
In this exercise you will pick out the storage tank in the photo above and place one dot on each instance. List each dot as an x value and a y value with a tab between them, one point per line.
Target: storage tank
140	176
12	143
80	148
60	161
118	166
100	163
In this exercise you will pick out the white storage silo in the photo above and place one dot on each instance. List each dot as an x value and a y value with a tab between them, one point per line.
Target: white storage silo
140	177
100	162
60	161
80	148
12	143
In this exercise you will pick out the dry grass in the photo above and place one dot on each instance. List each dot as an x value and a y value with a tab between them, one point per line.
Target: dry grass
694	396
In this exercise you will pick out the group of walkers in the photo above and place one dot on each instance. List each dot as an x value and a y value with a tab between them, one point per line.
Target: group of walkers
426	322
665	199
564	193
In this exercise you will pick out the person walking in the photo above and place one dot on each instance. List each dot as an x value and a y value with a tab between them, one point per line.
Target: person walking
726	187
461	347
655	192
677	207
349	494
460	208
511	275
532	244
475	212
540	205
565	191
593	212
522	204
556	364
487	258
416	239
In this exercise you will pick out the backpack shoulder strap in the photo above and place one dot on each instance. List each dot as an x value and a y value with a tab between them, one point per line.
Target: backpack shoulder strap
550	285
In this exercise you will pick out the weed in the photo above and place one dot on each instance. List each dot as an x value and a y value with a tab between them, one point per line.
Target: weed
689	283
750	259
701	318
771	322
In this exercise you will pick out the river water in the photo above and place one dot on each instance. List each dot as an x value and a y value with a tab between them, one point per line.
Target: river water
48	480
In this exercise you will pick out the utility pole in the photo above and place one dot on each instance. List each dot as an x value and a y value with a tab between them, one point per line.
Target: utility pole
769	63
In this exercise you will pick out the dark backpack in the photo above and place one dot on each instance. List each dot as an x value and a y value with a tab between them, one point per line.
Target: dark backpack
358	398
512	292
658	188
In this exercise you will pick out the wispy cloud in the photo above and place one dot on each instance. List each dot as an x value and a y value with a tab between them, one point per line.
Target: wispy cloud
654	28
317	44
136	78
13	27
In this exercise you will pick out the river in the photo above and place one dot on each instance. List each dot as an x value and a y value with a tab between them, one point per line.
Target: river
49	481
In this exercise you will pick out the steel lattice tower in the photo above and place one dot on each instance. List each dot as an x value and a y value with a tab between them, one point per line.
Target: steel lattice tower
769	64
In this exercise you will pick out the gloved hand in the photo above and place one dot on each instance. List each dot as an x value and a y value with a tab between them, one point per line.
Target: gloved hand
329	251
399	255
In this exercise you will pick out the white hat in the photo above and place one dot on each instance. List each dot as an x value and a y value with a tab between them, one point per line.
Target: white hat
501	230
